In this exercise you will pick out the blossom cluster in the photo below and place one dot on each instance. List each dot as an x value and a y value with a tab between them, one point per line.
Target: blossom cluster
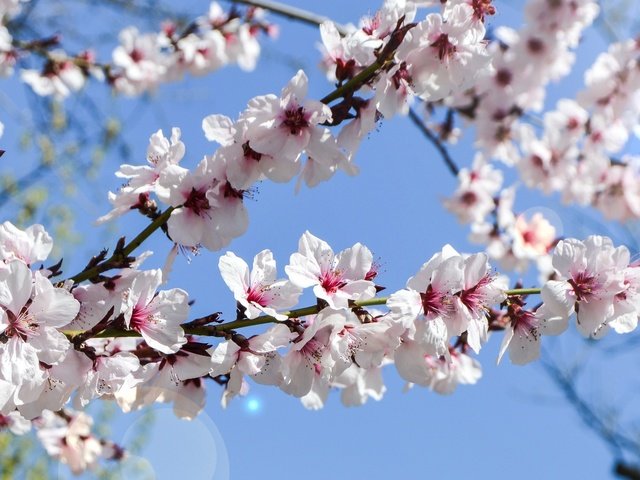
143	61
60	342
66	436
124	337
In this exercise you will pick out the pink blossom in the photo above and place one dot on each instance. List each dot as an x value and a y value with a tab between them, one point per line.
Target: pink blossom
258	291
337	279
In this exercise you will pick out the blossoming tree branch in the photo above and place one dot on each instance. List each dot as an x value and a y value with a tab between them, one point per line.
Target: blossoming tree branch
111	331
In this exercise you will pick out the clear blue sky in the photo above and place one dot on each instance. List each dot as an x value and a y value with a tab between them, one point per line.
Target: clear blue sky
513	423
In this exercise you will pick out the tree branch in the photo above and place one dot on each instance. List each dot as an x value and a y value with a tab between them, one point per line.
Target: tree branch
292	13
435	141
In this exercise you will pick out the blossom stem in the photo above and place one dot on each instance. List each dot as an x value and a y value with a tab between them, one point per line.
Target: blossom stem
219	330
356	82
524	291
120	255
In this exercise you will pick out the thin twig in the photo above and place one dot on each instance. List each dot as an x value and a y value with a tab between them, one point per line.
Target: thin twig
417	121
292	13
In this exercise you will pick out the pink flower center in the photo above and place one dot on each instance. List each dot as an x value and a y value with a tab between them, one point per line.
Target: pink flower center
140	317
584	286
295	120
445	47
401	76
474	298
22	325
504	77
258	295
469	198
313	351
435	303
371	24
332	281
249	153
136	55
197	201
482	8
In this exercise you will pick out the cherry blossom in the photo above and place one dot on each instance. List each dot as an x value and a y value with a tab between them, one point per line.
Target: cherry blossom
335	279
591	275
257	291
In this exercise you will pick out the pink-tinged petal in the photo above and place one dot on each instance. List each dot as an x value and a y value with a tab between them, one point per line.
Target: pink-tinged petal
53	307
264	268
524	347
312	247
360	290
223	357
625	323
235	386
448	277
409	360
51	345
276	337
7	390
355	262
293	146
297	86
229	221
270	141
145	285
283	294
279	170
317	396
330	36
189	401
15	286
506	340
569	256
405	306
219	128
476	268
250	364
163	337
432	335
551	323
593	315
303	271
477	333
19	362
298	374
185	227
4	320
191	366
271	371
235	273
558	297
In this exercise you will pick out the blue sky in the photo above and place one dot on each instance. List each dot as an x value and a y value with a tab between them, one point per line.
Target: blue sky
513	422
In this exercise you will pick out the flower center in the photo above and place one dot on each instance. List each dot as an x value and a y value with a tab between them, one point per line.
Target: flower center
332	281
197	201
140	317
23	325
295	120
258	295
435	303
444	46
250	153
583	286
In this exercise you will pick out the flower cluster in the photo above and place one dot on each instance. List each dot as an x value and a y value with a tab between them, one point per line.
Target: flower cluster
60	342
142	62
122	337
